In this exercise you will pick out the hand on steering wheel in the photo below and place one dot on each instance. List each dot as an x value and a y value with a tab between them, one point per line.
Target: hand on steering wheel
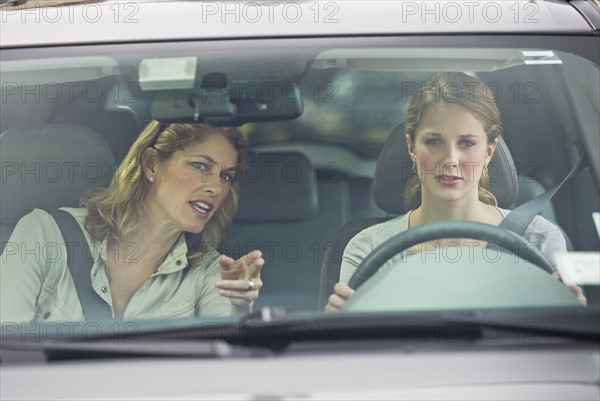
501	237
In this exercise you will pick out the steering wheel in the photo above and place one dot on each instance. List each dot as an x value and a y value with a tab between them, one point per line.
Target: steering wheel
501	237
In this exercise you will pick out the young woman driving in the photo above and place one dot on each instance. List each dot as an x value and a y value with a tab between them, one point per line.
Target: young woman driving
452	128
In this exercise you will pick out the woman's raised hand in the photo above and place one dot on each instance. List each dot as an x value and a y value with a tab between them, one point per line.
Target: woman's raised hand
240	280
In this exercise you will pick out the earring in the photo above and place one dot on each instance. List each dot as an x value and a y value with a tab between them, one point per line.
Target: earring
151	179
484	175
415	167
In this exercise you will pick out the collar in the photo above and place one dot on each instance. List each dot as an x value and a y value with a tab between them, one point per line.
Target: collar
175	260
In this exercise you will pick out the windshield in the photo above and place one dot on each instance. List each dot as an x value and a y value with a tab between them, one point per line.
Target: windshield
303	150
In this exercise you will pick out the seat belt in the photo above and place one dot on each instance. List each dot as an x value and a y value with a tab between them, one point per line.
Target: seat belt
94	307
518	219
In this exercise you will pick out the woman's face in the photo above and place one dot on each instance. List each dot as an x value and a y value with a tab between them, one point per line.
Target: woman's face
450	150
192	184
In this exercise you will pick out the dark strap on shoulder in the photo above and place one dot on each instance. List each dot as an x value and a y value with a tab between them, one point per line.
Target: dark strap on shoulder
518	219
80	262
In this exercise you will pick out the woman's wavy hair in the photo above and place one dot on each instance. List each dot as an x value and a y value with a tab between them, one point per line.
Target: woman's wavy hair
453	88
114	212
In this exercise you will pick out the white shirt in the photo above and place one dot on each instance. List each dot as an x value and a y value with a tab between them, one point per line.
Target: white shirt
540	233
36	284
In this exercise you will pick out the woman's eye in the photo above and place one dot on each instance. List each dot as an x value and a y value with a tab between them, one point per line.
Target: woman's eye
433	141
203	167
200	166
228	178
467	144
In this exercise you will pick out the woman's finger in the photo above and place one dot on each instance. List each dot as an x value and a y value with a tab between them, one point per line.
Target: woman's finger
252	263
336	301
245	295
245	267
343	290
578	291
240	285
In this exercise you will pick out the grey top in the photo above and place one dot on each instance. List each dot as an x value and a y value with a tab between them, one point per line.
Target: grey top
36	284
541	233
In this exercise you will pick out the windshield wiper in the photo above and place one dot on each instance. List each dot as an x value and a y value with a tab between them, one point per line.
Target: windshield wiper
271	330
468	326
39	342
26	352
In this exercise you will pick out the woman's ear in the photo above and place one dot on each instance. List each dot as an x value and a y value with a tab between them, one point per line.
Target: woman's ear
149	164
411	147
491	148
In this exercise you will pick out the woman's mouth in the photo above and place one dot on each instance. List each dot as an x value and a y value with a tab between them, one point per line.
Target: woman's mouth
201	208
448	180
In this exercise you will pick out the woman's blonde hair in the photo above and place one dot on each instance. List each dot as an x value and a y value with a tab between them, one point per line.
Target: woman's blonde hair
453	88
114	212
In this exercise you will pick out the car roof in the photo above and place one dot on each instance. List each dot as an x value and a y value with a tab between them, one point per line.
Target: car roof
78	22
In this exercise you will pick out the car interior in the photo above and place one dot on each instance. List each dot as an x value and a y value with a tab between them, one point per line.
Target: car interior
313	181
132	298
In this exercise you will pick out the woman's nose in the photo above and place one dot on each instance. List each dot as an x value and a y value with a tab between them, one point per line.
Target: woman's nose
450	163
212	183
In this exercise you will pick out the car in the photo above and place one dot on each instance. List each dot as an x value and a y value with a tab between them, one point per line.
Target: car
321	92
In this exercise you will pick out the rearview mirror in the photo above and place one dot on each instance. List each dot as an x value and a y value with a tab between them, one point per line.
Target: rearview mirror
218	103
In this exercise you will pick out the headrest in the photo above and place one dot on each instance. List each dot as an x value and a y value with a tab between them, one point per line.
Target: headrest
395	168
277	186
50	166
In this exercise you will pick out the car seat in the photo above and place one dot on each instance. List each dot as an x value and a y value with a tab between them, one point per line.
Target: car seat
286	213
49	166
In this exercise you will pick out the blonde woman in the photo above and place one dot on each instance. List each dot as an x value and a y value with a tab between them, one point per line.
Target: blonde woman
152	235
